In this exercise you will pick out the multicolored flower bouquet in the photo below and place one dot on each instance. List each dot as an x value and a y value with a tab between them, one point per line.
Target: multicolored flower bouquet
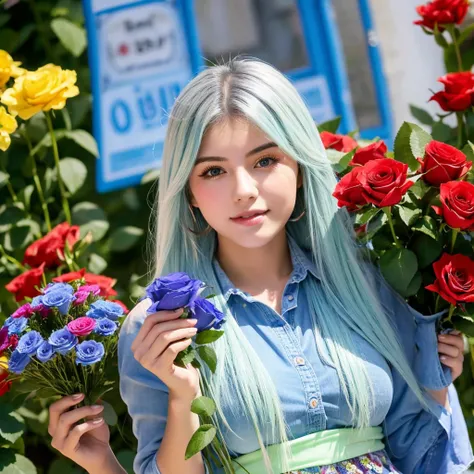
63	341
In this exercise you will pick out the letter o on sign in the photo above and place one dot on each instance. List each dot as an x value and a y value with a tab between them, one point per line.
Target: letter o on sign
121	116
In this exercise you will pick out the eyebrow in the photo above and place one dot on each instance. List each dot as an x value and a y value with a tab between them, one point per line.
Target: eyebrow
265	146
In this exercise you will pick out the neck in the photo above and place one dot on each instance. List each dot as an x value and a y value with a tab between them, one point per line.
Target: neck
255	268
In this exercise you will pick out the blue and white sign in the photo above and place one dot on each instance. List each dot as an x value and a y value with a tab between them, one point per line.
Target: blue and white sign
139	61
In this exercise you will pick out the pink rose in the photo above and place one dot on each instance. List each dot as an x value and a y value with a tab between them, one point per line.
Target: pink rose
24	311
84	291
81	326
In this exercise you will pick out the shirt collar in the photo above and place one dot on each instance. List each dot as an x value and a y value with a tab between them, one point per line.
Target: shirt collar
302	264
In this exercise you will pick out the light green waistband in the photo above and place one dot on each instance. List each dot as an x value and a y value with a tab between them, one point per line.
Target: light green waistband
316	449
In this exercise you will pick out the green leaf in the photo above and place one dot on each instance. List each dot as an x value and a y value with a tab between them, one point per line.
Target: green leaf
398	267
10	216
14	463
441	132
421	115
4	177
466	34
407	215
124	238
375	224
151	176
25	195
414	285
83	139
109	414
428	226
418	190
72	37
364	217
206	337
20	236
79	108
427	250
4	19
208	356
97	264
410	144
11	424
468	150
330	125
439	38
465	324
61	466
334	156
203	406
90	218
125	459
344	162
200	439
73	173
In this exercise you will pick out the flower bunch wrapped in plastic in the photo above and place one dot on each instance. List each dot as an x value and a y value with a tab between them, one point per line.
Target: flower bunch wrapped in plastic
64	341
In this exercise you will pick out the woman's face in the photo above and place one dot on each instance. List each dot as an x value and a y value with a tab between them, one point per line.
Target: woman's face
239	171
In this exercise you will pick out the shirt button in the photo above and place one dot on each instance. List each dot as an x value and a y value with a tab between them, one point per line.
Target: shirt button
313	403
299	361
291	297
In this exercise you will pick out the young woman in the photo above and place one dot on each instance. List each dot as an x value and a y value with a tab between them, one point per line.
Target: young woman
320	359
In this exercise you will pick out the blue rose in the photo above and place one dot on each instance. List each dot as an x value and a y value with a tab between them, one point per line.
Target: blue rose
105	309
207	315
37	302
29	342
62	340
105	327
16	325
176	290
60	298
45	352
89	352
64	287
18	362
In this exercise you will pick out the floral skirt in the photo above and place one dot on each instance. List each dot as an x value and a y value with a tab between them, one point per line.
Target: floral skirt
372	463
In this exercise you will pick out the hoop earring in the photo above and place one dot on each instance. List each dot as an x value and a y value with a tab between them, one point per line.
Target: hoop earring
296	219
201	232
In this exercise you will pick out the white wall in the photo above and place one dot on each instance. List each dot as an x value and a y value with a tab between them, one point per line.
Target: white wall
412	60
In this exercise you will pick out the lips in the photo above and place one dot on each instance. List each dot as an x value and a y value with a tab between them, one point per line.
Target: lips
250	215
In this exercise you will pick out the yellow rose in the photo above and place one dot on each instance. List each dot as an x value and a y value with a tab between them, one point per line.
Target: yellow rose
44	89
7	126
8	68
3	364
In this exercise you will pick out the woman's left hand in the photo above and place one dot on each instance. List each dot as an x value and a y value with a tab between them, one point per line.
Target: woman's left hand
451	352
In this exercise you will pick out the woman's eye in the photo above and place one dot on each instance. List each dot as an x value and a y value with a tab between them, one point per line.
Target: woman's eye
266	162
211	172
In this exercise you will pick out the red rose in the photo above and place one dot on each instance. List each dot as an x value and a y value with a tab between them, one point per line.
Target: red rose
342	143
348	191
24	285
384	181
454	278
13	342
4	385
457	204
443	163
367	153
49	248
458	91
442	12
105	283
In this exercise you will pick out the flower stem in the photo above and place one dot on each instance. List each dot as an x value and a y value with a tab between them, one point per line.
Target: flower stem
62	190
451	28
10	187
37	181
460	117
453	238
12	259
388	212
451	311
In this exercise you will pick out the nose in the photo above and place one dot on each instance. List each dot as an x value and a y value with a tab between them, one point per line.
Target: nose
245	186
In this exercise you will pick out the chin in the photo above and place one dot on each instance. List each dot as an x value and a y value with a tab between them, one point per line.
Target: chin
252	239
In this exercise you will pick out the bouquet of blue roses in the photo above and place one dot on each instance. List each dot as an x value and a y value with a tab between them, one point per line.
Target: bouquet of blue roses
179	290
63	341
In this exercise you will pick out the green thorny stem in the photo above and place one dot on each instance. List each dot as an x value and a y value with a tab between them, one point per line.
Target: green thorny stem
37	181
62	190
388	212
453	239
460	119
451	29
451	311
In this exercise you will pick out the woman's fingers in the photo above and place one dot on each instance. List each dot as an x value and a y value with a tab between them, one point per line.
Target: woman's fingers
56	409
67	420
150	321
74	436
166	327
173	350
449	350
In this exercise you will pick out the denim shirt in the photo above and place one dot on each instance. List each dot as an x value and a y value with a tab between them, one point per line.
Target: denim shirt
416	440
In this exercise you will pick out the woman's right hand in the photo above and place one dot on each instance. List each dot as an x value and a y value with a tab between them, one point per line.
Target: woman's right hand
87	444
160	339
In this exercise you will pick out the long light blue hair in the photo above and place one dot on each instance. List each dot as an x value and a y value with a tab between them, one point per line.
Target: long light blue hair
255	91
